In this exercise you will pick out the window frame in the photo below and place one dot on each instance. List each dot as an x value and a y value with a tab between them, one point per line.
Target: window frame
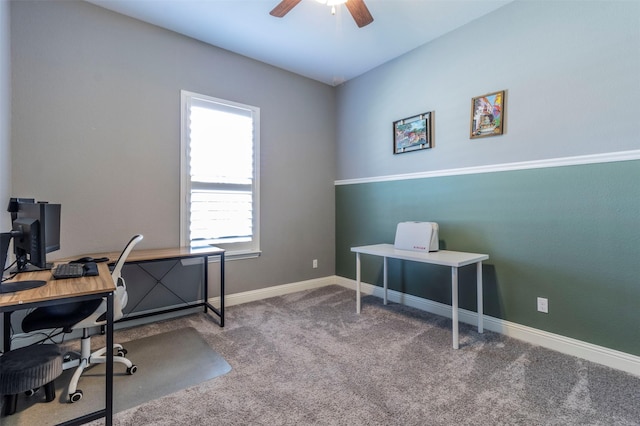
233	250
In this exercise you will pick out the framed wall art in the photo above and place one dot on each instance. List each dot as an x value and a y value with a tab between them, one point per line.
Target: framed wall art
413	133
487	115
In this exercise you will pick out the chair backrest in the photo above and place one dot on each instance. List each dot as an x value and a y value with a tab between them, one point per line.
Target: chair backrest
120	297
85	313
116	274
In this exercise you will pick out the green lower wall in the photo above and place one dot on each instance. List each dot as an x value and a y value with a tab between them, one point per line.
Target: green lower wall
570	234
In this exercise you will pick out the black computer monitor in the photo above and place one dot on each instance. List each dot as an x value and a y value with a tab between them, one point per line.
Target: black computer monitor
36	232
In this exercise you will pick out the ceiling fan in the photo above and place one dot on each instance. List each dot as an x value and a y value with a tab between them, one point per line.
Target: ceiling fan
357	8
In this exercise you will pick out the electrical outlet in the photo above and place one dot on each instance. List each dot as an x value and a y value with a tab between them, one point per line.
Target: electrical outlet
315	263
543	305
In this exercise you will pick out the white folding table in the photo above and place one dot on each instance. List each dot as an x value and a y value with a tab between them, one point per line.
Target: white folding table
453	259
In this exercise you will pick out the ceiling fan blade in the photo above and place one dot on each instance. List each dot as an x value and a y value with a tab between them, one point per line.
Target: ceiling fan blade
360	12
283	8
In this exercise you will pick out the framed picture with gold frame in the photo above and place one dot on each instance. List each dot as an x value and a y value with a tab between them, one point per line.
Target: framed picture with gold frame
413	133
487	115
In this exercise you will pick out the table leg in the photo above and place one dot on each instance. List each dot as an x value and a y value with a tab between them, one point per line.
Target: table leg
222	289
109	363
385	279
6	332
205	279
480	310
454	305
358	283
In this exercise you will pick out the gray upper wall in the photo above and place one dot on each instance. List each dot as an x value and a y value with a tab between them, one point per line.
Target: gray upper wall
570	70
96	127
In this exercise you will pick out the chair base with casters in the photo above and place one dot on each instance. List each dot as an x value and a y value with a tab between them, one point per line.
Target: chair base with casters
86	359
27	369
86	315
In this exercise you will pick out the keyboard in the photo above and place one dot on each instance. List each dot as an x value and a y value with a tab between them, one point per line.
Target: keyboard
68	270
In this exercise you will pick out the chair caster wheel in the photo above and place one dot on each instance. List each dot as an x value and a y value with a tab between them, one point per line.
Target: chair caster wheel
76	396
31	392
131	370
122	352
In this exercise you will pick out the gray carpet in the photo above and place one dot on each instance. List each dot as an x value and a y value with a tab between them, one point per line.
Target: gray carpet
167	362
308	359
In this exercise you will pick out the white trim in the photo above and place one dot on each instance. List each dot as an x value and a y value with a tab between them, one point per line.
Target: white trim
608	157
588	351
228	256
566	345
268	292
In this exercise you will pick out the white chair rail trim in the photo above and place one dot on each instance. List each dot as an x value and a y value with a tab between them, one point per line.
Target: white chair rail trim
607	157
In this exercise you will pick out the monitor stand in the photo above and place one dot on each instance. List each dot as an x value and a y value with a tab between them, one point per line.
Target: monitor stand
32	268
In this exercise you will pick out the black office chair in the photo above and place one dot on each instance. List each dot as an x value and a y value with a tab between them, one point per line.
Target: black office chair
91	313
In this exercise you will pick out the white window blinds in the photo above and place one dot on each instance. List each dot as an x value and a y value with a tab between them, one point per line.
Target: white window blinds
220	174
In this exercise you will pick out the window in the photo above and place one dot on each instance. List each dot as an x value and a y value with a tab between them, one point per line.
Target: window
220	158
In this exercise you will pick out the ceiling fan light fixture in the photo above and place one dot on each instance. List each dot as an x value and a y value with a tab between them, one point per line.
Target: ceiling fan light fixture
357	9
332	2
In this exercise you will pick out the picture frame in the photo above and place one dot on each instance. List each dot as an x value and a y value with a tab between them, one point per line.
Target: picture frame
487	115
413	133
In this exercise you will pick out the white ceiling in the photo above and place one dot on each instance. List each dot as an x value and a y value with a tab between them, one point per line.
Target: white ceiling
309	40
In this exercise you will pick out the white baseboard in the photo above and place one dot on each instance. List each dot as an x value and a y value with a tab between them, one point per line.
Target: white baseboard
588	351
598	354
278	290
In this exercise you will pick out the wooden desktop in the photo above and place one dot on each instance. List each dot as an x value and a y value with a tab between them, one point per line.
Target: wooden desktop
57	289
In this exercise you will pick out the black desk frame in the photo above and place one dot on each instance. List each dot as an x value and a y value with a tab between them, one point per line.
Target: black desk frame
188	305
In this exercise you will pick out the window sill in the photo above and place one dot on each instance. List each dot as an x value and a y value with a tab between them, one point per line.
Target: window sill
238	255
227	256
